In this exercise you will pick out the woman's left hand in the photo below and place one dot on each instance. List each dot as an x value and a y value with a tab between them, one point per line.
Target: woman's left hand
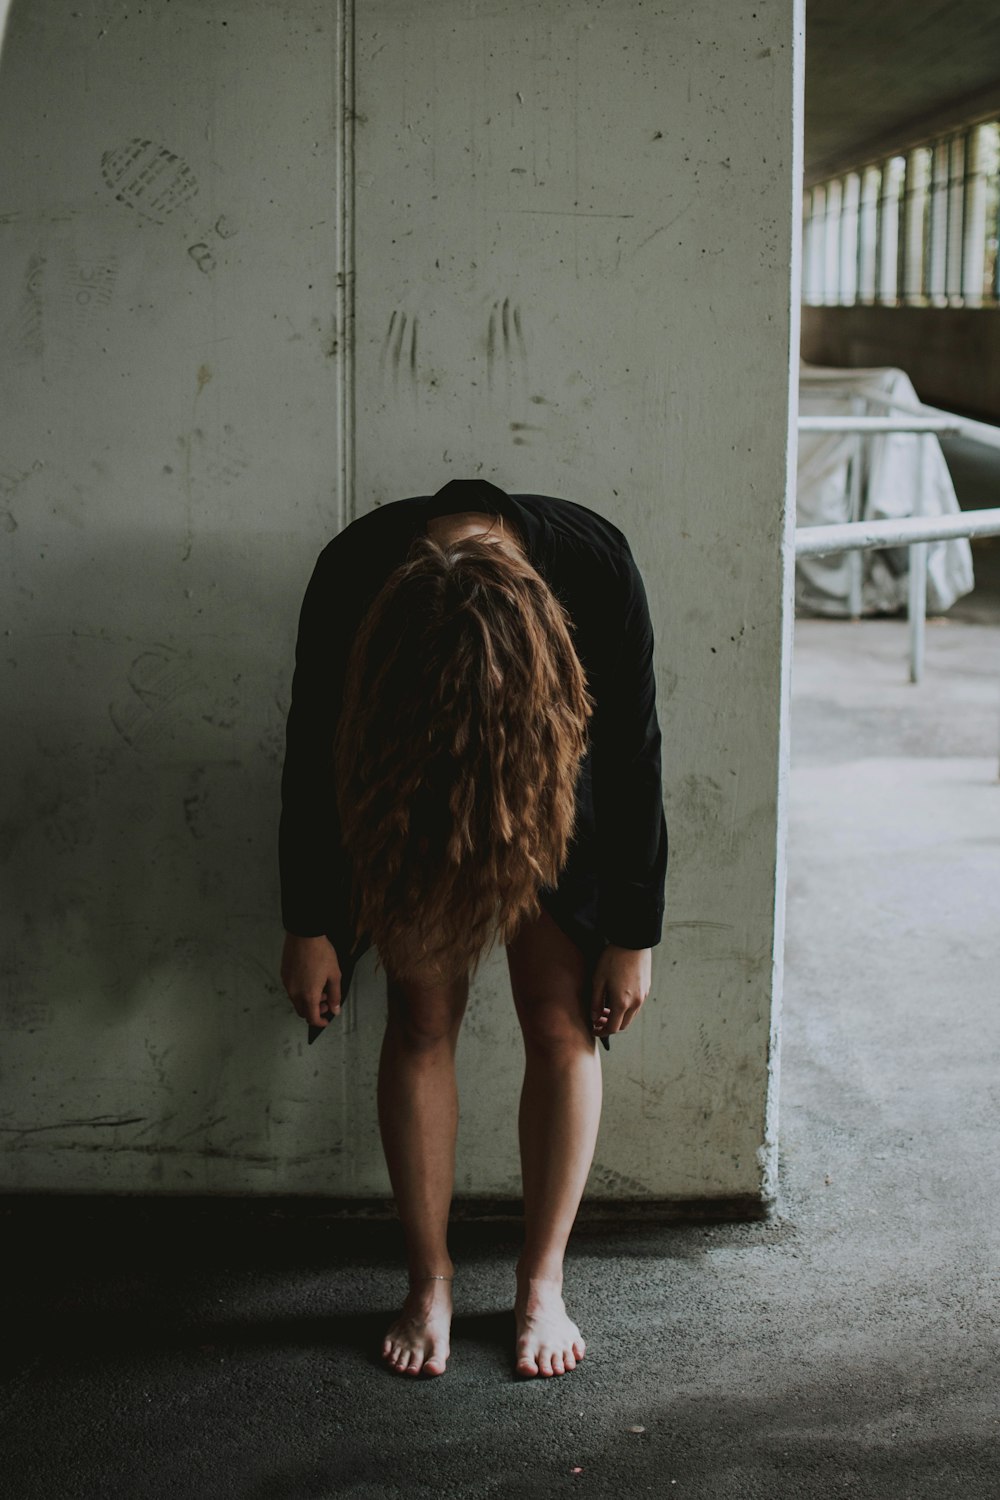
621	983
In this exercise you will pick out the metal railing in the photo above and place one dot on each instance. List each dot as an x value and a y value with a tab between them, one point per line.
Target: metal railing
913	531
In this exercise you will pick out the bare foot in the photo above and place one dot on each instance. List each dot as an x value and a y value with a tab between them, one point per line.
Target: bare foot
548	1341
419	1338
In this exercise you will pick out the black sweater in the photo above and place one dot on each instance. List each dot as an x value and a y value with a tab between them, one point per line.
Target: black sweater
611	889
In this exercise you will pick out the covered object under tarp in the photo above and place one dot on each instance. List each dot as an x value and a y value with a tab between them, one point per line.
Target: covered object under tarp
890	487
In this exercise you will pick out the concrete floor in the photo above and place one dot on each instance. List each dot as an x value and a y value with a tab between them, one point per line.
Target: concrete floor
847	1347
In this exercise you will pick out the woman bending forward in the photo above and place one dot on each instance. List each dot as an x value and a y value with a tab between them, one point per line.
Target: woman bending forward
473	754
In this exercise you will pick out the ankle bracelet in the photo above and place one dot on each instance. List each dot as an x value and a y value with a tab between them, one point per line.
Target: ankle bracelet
432	1278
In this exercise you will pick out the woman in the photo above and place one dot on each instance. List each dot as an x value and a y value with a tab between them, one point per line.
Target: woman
473	753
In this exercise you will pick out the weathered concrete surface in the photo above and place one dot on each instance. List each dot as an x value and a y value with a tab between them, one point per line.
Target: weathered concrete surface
266	266
849	1346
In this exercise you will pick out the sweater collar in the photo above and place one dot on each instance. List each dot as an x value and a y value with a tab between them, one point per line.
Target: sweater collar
467	494
478	494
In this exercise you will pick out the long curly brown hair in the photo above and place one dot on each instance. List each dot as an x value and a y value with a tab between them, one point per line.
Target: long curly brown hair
462	728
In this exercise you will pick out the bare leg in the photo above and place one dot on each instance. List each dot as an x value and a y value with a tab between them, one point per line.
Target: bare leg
418	1120
558	1123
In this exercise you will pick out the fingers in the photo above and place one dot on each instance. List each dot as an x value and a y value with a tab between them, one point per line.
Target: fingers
605	1015
610	1014
317	1006
618	1016
320	1007
600	1014
330	1004
600	1010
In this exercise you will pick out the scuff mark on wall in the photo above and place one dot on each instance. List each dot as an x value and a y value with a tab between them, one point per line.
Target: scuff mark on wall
194	802
149	178
661	228
25	338
203	251
155	680
11	481
158	1056
62	295
399	347
506	350
90	286
98	1122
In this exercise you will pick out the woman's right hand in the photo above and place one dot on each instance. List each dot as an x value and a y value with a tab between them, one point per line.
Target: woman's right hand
310	972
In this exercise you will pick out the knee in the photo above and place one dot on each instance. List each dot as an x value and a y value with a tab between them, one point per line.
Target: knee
422	1022
554	1029
424	1033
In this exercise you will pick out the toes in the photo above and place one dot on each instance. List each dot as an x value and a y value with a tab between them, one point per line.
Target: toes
569	1361
435	1365
558	1367
579	1348
416	1361
527	1365
545	1363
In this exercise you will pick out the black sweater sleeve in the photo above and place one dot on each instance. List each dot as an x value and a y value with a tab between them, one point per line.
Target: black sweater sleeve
310	857
628	792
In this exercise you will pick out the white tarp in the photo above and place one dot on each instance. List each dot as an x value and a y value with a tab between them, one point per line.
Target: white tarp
889	489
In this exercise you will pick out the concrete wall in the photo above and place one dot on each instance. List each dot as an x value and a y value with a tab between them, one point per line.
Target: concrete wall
574	244
170	460
952	354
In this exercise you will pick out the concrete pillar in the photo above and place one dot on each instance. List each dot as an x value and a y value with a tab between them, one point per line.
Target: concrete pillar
956	212
832	258
888	229
868	234
939	224
915	215
849	215
974	218
586	220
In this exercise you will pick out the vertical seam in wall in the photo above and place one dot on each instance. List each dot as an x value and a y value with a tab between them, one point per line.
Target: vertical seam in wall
345	399
345	389
770	1186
